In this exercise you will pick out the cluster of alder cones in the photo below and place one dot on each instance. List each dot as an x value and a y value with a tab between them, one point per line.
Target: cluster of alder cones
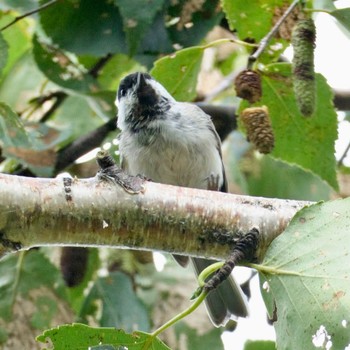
248	86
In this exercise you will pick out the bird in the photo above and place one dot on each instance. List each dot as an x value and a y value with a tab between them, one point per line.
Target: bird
175	143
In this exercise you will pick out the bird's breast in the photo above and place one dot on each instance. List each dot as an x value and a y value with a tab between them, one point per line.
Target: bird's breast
179	161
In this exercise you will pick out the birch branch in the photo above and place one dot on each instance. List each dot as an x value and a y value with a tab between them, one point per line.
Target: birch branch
90	212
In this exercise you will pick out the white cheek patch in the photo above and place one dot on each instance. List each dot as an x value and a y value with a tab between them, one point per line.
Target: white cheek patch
125	105
160	89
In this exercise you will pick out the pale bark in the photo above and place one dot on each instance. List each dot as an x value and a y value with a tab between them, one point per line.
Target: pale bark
88	212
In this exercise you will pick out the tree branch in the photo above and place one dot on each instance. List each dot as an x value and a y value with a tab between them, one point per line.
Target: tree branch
18	18
90	212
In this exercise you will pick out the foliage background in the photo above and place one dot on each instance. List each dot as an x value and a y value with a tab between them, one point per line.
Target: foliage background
60	69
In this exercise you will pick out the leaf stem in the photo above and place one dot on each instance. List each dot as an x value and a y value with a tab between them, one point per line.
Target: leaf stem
227	40
19	264
202	295
209	271
18	18
175	319
273	270
345	153
266	39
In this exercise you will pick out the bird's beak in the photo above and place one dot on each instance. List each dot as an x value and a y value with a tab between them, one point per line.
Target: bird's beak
141	81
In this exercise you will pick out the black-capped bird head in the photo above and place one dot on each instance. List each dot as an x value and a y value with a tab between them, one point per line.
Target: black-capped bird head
141	99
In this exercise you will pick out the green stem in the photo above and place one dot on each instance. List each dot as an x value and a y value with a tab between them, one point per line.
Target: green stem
17	276
175	319
208	271
318	10
266	39
43	7
181	315
273	270
226	40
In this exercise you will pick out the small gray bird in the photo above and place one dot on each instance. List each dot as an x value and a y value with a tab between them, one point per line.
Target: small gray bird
175	143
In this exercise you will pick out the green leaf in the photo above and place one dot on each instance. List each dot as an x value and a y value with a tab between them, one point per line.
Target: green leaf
46	309
306	142
23	78
268	179
85	26
3	52
178	73
77	116
17	39
19	5
121	307
306	274
60	69
22	273
115	69
12	132
137	17
3	335
343	16
251	19
260	345
78	336
32	144
192	339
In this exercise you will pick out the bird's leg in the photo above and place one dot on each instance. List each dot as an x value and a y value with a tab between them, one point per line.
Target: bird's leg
213	182
244	250
113	173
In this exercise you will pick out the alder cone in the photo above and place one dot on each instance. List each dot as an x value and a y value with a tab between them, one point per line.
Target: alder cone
256	120
303	42
248	85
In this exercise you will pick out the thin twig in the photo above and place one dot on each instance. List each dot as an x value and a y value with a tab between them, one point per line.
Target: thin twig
266	39
340	162
99	65
18	18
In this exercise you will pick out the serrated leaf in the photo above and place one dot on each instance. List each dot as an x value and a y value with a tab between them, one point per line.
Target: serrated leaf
307	277
78	336
21	273
3	52
121	307
85	27
137	17
306	142
343	16
253	20
59	68
178	72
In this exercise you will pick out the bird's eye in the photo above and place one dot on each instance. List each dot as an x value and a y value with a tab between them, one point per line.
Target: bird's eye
122	92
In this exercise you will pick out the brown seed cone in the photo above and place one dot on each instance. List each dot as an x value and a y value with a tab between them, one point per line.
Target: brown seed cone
248	85
256	120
